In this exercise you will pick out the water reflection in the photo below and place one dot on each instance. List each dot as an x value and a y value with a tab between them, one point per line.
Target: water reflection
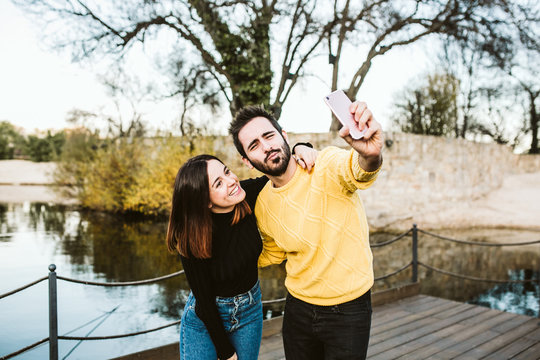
495	263
521	298
100	247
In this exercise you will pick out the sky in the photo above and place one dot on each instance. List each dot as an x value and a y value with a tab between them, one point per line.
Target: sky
38	87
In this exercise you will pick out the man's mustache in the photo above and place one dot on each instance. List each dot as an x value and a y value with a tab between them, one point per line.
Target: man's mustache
270	153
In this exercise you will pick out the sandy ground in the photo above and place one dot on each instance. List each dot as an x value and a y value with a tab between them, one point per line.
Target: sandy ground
26	181
515	205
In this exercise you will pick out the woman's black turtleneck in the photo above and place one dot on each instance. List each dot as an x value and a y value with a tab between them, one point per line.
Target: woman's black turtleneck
232	269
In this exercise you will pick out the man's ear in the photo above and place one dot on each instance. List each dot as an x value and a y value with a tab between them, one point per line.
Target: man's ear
284	133
247	162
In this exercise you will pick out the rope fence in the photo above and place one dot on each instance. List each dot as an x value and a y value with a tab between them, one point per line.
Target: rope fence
479	243
23	287
126	283
391	241
24	349
118	336
445	272
414	263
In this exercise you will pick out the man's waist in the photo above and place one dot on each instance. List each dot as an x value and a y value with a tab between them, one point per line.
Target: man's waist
320	295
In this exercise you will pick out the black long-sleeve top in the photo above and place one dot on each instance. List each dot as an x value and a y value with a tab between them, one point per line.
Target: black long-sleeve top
232	269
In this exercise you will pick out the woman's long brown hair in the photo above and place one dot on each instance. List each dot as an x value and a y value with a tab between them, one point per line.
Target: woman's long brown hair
190	222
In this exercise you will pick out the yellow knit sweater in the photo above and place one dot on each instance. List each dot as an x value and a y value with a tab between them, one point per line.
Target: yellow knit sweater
317	222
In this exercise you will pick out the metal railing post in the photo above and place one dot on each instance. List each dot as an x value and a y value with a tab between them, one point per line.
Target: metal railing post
53	315
414	254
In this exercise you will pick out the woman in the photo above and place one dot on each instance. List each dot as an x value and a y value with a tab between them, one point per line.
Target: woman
213	228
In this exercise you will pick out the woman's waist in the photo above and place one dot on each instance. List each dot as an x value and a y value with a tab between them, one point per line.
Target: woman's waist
250	292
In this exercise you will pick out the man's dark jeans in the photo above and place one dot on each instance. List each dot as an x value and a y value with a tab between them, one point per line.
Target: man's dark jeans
314	332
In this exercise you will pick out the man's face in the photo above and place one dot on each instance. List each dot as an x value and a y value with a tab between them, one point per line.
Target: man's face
266	149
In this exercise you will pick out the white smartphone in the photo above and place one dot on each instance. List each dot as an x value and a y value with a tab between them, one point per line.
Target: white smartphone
339	103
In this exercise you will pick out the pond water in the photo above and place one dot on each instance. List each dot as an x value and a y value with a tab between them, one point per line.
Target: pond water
104	248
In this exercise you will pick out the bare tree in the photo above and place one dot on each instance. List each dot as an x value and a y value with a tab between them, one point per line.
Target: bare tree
230	39
236	42
384	25
525	69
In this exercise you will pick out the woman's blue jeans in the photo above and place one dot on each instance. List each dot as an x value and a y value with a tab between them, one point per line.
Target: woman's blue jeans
242	318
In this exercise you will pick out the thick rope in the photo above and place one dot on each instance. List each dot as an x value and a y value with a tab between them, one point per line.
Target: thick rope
394	273
20	351
118	336
399	237
476	278
127	283
23	287
478	242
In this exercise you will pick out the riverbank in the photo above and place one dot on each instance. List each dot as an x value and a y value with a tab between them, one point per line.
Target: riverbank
26	181
515	204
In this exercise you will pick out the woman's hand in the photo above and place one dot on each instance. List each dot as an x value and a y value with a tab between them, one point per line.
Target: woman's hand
305	156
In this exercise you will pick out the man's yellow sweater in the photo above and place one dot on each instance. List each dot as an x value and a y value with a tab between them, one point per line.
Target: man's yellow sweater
318	223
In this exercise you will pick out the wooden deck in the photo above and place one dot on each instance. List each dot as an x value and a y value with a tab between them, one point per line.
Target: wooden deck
420	327
425	327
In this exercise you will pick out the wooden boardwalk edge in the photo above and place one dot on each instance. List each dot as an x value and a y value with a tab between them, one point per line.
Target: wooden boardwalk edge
273	326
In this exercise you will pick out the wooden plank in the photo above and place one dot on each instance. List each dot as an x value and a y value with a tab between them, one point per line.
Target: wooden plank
419	327
457	333
512	349
392	348
475	336
516	321
394	294
453	311
404	324
170	351
499	341
407	349
272	326
390	308
530	353
535	335
427	303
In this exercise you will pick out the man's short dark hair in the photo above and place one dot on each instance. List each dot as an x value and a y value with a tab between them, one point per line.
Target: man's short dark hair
245	115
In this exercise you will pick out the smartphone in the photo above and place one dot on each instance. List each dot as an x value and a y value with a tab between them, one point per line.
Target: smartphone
339	103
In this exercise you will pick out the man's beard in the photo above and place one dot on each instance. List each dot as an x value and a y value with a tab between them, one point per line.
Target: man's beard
276	166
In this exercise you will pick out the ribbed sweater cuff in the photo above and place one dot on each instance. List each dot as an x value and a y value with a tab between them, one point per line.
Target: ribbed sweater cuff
360	174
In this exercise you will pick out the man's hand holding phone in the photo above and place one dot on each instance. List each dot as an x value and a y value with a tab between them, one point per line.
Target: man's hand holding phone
369	145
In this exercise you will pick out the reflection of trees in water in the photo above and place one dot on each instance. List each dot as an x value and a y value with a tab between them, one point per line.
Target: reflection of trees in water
48	217
470	260
119	248
5	226
134	249
522	298
114	249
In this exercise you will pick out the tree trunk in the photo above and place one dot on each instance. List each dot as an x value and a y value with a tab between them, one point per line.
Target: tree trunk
534	123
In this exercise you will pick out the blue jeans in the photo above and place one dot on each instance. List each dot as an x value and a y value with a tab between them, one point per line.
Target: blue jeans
242	318
314	332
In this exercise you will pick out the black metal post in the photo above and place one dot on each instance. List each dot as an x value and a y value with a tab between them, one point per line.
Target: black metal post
414	254
53	315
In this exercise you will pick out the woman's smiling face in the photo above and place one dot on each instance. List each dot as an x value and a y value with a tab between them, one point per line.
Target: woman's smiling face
225	189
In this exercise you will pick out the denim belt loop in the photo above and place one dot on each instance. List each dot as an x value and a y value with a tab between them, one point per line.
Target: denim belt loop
251	301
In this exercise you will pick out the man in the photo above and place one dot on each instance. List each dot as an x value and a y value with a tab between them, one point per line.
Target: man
317	222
